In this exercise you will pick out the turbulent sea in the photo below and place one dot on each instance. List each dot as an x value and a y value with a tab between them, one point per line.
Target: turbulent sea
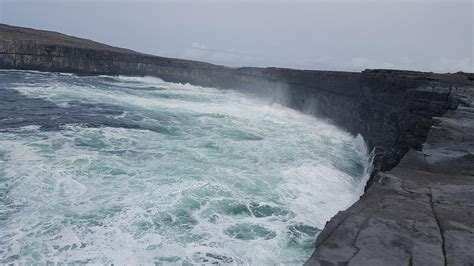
129	170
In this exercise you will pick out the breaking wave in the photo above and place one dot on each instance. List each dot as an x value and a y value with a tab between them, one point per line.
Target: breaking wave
130	170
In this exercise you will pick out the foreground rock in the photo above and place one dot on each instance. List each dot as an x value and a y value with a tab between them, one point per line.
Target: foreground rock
416	213
419	213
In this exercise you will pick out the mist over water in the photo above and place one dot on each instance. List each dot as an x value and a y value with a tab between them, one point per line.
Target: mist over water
130	170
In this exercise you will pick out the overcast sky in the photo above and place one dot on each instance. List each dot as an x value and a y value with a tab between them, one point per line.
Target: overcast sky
339	35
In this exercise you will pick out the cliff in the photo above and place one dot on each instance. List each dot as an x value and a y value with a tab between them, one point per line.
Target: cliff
420	212
393	110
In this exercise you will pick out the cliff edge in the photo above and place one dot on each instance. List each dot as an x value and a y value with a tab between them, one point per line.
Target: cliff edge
418	213
405	214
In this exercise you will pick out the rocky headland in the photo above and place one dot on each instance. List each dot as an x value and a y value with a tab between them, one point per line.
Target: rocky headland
417	209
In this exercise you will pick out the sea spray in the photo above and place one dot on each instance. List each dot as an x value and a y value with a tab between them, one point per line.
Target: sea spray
131	170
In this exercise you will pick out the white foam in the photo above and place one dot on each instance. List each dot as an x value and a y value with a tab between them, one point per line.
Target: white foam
29	128
63	105
317	192
129	196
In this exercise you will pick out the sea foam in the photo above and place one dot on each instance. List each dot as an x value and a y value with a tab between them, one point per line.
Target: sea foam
187	174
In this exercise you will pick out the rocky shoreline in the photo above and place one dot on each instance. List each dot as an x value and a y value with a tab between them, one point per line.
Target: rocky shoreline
420	212
416	202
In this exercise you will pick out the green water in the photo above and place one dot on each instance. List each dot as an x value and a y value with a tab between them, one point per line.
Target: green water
194	175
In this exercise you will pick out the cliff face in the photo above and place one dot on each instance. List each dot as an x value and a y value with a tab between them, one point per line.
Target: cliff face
392	110
420	212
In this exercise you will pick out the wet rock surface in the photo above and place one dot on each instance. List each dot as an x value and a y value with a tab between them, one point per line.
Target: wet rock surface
416	212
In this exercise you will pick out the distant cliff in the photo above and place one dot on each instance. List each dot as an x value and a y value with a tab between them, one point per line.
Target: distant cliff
393	110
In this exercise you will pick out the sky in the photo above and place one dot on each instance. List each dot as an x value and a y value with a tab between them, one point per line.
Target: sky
348	35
